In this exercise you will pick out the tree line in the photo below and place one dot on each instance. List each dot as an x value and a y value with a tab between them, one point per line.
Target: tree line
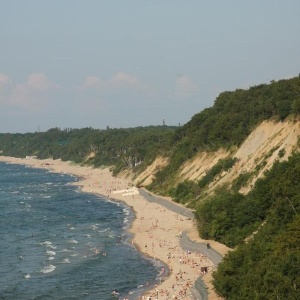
264	265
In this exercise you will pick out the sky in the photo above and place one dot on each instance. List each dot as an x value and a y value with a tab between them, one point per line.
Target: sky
117	63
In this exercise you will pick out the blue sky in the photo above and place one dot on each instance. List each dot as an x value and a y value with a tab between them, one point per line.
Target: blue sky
117	63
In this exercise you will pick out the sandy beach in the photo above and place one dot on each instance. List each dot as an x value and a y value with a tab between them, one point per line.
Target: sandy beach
158	231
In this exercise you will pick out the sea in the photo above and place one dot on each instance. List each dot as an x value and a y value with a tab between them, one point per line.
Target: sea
57	242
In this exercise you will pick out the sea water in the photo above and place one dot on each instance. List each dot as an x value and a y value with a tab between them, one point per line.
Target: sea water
57	242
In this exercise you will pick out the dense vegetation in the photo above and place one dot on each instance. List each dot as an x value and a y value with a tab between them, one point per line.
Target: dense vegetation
264	265
229	121
268	265
119	148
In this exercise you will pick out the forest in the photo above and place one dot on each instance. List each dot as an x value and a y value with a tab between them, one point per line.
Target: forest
262	227
267	265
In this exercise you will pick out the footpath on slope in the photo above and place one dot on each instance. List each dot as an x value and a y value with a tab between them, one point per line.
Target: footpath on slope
200	290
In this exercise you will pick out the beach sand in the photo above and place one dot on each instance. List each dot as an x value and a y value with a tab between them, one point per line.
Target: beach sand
157	231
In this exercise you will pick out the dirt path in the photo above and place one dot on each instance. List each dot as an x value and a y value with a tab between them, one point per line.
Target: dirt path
200	289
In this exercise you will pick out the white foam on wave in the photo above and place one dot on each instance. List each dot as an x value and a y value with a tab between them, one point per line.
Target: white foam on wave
65	250
72	241
48	269
45	243
94	227
51	247
104	230
50	253
126	211
50	258
27	276
65	261
110	201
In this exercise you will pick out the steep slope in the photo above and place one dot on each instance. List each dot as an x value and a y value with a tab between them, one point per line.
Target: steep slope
269	142
146	177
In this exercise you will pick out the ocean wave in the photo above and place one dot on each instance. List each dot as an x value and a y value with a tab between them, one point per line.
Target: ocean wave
65	261
50	253
72	241
104	230
126	211
65	250
45	243
48	269
51	247
94	227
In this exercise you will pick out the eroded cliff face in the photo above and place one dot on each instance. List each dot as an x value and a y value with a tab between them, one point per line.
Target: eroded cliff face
269	142
148	175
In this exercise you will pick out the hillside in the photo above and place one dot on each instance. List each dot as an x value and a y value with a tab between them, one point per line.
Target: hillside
258	194
245	192
269	142
237	164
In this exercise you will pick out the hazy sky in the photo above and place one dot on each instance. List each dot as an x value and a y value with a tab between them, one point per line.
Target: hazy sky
128	63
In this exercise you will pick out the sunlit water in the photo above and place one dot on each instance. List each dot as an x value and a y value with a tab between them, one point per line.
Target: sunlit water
59	243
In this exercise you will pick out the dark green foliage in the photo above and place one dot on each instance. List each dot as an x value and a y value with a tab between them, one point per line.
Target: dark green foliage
189	191
281	153
185	191
120	148
296	106
229	212
241	181
268	266
229	122
220	166
235	114
227	217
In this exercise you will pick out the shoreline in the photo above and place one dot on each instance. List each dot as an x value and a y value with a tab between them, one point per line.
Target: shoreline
157	231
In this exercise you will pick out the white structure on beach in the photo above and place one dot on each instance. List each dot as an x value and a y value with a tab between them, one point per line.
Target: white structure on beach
127	192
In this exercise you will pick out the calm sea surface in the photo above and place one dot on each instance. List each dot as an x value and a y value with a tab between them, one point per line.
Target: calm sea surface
59	243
